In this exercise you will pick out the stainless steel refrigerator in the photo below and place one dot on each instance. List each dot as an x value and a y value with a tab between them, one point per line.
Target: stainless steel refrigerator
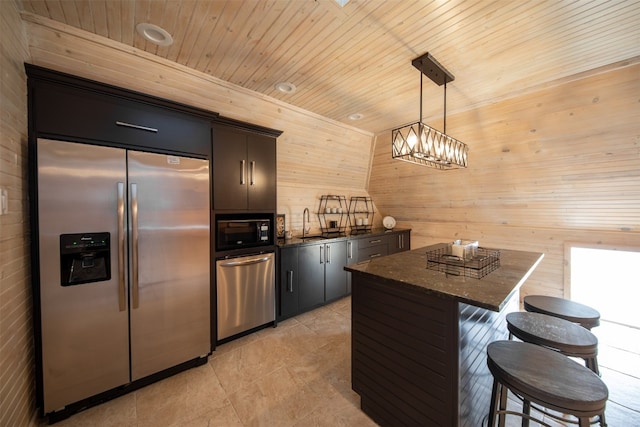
124	267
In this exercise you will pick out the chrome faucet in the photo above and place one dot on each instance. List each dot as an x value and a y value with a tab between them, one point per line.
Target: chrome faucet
305	218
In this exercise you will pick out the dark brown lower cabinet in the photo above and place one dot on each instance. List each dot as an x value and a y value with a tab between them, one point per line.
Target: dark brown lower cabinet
289	290
312	274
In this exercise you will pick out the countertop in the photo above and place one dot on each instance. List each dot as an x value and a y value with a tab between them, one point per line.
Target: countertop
296	241
492	292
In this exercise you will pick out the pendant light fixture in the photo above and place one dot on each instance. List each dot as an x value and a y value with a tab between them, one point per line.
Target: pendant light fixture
422	144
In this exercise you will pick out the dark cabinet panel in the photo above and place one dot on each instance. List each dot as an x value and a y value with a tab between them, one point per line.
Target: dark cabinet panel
262	172
369	247
400	241
371	252
311	277
289	290
229	169
244	170
102	118
335	277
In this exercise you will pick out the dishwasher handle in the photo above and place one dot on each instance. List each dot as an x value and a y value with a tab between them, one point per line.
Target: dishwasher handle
245	262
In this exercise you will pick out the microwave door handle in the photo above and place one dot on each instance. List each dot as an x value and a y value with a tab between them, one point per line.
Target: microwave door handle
122	300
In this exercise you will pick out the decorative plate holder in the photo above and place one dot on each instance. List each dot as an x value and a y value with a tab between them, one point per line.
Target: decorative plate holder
361	214
333	214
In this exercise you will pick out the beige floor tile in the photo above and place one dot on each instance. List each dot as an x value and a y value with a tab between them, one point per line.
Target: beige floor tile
181	398
277	399
247	363
337	412
223	416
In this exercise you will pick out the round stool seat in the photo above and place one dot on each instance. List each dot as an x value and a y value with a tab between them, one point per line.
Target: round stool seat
547	378
564	309
555	333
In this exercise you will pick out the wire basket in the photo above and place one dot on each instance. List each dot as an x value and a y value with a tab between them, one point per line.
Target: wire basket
484	262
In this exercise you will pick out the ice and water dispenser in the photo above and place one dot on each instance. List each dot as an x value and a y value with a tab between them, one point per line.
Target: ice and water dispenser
84	258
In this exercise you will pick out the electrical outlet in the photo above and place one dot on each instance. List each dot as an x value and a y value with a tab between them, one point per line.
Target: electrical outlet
4	201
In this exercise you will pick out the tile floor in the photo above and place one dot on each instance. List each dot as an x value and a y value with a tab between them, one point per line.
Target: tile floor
298	374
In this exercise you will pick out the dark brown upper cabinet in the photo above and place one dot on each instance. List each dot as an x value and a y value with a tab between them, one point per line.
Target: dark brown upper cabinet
244	170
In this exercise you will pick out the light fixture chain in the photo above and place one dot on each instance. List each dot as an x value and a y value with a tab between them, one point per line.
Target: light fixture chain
444	125
420	96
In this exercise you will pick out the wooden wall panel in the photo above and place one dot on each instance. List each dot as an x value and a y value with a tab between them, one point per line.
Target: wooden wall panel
16	337
559	164
315	155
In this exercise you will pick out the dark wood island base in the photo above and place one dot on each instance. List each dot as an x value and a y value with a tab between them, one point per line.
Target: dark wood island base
419	337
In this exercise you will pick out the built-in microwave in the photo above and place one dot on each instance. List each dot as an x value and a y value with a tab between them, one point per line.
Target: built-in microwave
242	231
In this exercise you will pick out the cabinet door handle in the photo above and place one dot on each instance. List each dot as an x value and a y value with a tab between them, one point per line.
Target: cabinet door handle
375	255
321	254
401	238
252	173
290	281
131	125
328	254
350	249
375	241
242	177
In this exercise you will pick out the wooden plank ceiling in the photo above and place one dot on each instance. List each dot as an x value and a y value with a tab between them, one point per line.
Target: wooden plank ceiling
357	58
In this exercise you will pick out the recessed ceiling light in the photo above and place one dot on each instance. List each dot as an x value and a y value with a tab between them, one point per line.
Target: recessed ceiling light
154	34
355	116
286	87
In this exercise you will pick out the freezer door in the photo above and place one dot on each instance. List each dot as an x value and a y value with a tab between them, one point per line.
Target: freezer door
170	263
84	326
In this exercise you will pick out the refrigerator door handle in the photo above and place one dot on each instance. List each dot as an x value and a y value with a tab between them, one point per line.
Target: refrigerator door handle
134	246
121	286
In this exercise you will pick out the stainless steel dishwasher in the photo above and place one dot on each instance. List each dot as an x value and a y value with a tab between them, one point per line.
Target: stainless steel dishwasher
246	293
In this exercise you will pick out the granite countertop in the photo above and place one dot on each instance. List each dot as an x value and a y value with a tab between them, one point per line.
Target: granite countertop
493	291
296	241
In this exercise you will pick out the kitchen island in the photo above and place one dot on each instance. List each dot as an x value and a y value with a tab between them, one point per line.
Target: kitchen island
419	336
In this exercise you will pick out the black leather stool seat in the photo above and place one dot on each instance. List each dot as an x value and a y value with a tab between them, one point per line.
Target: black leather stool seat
557	334
564	309
546	378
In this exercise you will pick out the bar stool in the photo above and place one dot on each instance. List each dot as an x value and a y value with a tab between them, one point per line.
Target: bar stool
546	378
564	309
557	334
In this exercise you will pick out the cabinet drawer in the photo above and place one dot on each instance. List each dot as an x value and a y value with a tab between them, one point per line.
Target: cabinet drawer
69	112
373	251
368	242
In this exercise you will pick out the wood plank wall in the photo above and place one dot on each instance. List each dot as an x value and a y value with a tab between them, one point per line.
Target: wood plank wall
315	155
557	165
16	337
561	164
